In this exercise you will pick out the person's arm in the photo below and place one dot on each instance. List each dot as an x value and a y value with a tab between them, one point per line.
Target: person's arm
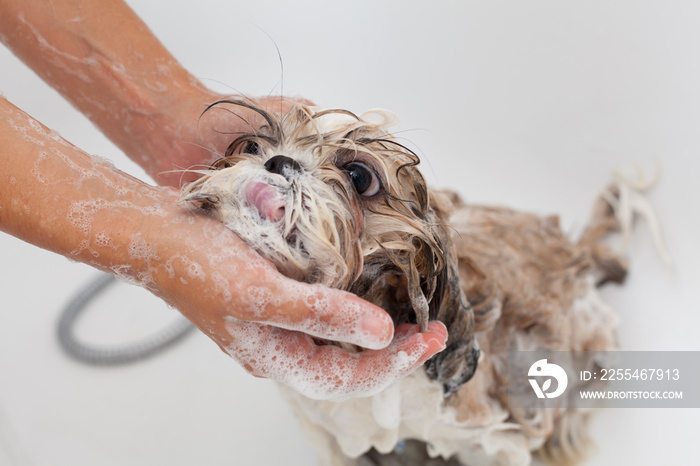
102	58
55	196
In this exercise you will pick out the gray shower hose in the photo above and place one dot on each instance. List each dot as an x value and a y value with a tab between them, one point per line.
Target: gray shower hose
117	354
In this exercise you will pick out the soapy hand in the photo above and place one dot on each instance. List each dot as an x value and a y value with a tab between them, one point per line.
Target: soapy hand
273	325
328	372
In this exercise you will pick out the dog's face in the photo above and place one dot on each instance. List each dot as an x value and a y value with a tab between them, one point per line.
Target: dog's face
333	198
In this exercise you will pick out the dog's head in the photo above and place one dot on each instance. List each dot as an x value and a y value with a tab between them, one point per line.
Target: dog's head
333	198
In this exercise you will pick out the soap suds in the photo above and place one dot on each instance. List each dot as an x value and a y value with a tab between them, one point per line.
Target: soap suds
293	360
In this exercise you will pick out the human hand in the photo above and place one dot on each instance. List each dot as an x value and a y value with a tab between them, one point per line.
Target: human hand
329	372
271	324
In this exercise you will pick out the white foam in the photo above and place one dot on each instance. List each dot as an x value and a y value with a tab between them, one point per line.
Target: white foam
140	249
103	240
193	270
125	273
294	360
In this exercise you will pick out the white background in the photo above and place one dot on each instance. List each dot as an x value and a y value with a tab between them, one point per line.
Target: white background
525	104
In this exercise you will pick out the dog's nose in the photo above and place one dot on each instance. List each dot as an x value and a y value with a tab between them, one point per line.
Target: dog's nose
283	165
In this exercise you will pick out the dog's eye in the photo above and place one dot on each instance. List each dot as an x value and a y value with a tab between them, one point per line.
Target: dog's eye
364	179
252	148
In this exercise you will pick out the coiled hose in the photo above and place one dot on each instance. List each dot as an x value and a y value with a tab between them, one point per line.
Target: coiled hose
117	354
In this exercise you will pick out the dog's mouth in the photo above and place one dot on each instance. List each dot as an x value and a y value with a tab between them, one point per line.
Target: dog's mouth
266	199
271	206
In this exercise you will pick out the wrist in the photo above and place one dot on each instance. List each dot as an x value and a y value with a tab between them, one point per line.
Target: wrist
197	263
171	140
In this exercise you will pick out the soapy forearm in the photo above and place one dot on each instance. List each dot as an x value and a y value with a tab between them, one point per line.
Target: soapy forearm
107	63
57	197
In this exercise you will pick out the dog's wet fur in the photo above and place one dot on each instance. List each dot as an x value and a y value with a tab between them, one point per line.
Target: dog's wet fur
500	280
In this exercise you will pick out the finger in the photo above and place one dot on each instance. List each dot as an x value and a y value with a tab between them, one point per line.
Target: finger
319	311
329	372
436	326
339	316
377	370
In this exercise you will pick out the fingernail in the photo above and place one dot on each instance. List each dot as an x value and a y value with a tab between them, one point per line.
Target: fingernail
435	343
438	327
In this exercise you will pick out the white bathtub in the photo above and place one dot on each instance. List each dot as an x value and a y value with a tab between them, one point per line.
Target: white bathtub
529	105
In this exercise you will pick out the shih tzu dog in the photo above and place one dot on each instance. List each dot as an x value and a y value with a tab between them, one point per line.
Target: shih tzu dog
333	198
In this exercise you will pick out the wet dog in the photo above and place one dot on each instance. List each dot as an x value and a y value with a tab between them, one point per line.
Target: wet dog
333	198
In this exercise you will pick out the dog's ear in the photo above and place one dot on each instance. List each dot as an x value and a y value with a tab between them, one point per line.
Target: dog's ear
416	279
457	363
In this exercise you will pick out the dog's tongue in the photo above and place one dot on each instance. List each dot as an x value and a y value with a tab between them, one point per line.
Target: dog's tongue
266	199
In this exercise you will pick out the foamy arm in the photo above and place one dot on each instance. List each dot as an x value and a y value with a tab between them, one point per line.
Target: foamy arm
59	198
138	95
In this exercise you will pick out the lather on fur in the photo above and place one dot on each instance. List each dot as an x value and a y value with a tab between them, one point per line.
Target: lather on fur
333	198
